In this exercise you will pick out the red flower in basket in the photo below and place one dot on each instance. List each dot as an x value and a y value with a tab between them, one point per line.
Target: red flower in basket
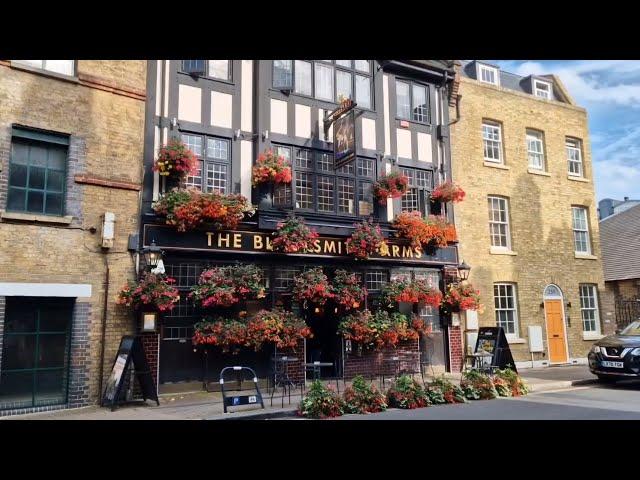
365	240
271	168
152	289
347	290
176	160
448	192
312	286
392	185
293	236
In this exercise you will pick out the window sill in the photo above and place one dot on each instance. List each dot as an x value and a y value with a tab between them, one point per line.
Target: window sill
591	336
583	256
578	179
501	166
538	172
30	217
501	251
45	73
515	340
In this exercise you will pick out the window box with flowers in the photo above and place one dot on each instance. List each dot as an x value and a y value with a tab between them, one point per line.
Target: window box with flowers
391	185
191	209
271	168
175	160
348	293
226	286
293	236
313	287
152	291
448	192
430	232
365	240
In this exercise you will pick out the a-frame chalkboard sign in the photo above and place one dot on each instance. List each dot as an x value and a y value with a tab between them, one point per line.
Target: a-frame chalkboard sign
493	340
130	352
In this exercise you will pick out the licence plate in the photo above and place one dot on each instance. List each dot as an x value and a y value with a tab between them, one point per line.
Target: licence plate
612	364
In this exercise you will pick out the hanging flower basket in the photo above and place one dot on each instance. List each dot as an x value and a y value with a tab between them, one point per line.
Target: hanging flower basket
152	290
418	291
461	297
279	327
175	160
376	330
293	236
271	168
433	231
348	292
312	286
229	334
448	192
365	240
392	185
191	209
226	286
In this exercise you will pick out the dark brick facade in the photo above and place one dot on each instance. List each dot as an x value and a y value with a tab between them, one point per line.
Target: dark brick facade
80	356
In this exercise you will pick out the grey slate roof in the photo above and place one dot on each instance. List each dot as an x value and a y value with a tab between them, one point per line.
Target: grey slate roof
620	244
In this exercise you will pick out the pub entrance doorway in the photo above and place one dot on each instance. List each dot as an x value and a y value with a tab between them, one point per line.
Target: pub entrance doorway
326	344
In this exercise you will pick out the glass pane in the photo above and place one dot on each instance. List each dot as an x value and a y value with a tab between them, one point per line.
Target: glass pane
57	157
194	143
303	78
325	194
420	106
363	65
219	69
282	75
365	199
55	317
324	82
343	84
54	204
18	176
193	66
60	66
19	153
18	352
403	100
304	190
16	199
35	202
216	178
50	387
55	180
16	390
346	195
52	350
363	91
217	148
344	63
38	156
21	317
32	63
36	178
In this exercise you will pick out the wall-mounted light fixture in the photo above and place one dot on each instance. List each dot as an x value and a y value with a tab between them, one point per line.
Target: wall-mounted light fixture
148	321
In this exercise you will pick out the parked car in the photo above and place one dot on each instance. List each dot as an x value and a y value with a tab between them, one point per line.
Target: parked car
617	356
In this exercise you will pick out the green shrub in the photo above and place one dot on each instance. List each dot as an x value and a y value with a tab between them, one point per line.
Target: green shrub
407	393
363	397
515	382
481	382
320	402
452	393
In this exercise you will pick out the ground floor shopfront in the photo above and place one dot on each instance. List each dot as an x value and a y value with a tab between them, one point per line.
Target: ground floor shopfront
182	366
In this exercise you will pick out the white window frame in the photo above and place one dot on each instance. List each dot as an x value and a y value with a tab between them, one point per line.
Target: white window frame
496	74
498	126
594	291
516	320
547	94
506	247
535	136
574	145
574	209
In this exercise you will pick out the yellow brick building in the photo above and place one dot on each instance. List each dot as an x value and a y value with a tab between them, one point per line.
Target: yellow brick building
528	226
71	141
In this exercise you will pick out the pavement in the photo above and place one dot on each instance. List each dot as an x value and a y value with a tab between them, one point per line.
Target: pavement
208	406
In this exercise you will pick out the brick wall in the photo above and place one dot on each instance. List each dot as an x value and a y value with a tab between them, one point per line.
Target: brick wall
372	362
2	313
80	356
150	343
455	348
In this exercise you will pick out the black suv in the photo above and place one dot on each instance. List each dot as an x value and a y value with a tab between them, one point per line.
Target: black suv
617	356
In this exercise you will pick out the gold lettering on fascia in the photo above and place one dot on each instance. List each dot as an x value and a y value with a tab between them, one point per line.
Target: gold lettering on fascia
237	240
396	250
257	242
317	248
329	246
224	239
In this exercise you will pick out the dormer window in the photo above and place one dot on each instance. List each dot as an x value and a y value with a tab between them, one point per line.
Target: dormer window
487	74
542	89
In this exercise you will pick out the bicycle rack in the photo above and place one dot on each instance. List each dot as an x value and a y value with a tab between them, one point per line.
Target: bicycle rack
236	400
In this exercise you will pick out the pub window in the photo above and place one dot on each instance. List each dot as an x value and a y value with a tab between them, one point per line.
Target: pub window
284	277
37	172
326	79
218	69
214	163
412	101
375	280
417	196
318	187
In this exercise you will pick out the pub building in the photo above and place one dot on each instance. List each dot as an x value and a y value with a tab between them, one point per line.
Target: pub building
228	112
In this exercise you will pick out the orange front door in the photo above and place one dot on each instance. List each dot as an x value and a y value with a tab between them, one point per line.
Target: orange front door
555	331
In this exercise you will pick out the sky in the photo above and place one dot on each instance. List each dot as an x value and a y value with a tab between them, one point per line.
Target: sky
610	91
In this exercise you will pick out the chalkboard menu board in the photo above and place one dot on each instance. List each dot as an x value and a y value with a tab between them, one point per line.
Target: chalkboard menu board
493	340
130	352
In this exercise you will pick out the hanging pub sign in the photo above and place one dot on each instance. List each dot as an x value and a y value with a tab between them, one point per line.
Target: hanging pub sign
344	132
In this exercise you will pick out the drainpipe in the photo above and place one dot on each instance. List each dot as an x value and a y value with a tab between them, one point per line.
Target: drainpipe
458	98
104	324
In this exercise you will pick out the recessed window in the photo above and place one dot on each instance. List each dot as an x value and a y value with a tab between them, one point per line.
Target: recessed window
412	101
487	74
283	74
535	149
589	308
218	69
303	83
64	67
492	141
505	302
581	230
499	222
213	165
542	89
37	172
574	156
420	186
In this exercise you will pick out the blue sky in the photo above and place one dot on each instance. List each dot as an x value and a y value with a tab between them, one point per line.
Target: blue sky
610	91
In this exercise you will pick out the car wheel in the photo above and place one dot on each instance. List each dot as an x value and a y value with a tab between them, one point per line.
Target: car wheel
606	379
